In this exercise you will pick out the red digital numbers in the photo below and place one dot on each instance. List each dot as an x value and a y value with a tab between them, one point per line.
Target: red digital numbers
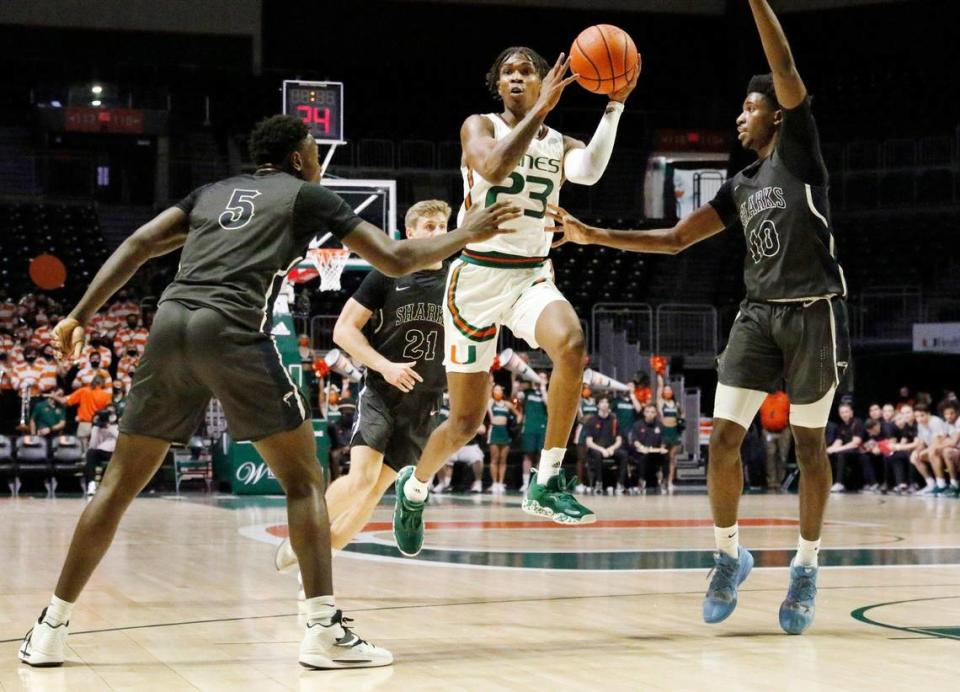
315	115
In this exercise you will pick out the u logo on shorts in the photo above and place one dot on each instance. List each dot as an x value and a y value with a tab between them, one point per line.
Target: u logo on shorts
471	355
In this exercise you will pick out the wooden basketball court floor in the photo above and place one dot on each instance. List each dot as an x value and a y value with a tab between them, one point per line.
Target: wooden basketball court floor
187	598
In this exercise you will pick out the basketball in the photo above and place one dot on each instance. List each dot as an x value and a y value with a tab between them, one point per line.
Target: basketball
605	58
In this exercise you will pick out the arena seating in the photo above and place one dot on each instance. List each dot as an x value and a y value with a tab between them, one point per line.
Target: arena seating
71	232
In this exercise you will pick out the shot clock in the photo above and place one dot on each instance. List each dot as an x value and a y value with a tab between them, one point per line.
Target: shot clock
319	105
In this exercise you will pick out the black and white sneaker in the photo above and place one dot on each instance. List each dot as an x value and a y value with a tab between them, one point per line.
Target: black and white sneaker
337	646
44	645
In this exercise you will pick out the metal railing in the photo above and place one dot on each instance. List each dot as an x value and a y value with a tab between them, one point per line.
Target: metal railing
622	337
687	330
886	315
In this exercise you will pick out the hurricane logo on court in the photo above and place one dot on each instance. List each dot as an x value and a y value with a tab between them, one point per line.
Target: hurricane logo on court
764	241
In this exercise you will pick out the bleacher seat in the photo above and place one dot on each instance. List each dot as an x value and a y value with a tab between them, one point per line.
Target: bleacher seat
8	465
68	460
33	459
899	153
862	155
897	188
418	153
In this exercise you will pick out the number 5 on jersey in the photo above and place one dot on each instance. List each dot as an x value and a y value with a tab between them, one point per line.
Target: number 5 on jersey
239	209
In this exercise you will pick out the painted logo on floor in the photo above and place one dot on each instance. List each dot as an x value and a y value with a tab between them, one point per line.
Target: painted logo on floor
375	542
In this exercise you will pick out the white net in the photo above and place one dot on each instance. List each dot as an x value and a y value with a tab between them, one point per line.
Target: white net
329	263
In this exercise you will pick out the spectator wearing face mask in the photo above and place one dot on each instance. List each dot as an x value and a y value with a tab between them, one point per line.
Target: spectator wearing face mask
93	368
35	373
103	323
98	344
128	362
123	306
130	335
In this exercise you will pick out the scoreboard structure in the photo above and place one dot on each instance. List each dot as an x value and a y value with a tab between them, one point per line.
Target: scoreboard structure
319	105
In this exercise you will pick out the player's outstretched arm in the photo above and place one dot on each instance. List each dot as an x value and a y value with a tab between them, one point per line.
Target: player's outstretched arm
348	335
701	224
400	257
585	164
494	159
164	233
786	80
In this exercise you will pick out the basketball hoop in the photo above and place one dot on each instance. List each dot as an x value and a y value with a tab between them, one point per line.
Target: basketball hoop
329	262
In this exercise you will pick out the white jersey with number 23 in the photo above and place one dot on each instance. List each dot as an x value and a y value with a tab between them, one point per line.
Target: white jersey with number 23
533	183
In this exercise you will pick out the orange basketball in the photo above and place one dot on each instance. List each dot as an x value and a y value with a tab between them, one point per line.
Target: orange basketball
47	272
605	57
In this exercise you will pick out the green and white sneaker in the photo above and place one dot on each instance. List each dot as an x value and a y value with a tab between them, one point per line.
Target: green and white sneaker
555	500
407	518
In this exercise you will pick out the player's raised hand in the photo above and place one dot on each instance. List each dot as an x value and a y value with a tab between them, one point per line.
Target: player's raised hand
401	375
622	94
485	222
553	85
67	339
574	230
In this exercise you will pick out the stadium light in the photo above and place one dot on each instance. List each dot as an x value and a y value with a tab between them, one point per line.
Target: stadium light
96	89
95	102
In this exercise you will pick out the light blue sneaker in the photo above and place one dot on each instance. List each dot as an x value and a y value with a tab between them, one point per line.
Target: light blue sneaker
728	575
797	609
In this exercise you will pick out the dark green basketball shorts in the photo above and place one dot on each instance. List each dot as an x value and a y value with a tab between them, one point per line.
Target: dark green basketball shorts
802	348
194	354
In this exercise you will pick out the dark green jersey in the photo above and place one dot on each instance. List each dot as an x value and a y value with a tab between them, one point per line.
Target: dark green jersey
781	203
625	413
245	234
407	324
534	411
47	413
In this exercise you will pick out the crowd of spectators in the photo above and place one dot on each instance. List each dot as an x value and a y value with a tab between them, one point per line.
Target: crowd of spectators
622	443
908	447
42	397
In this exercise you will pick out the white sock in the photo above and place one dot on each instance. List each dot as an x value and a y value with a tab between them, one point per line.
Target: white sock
319	609
550	462
930	482
526	477
728	540
807	552
941	483
954	483
415	490
58	611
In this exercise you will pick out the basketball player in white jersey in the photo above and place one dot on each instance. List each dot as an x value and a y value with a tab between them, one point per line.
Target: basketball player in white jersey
513	155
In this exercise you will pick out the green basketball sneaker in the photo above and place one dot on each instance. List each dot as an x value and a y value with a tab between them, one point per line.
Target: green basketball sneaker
407	518
555	500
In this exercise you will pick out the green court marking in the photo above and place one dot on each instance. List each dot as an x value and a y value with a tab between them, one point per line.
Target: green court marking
660	559
940	632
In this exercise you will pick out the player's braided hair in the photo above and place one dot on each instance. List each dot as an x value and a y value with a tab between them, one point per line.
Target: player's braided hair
763	84
493	74
275	138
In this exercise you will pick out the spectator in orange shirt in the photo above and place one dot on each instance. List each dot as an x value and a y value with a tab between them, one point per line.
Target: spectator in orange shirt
775	419
88	400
